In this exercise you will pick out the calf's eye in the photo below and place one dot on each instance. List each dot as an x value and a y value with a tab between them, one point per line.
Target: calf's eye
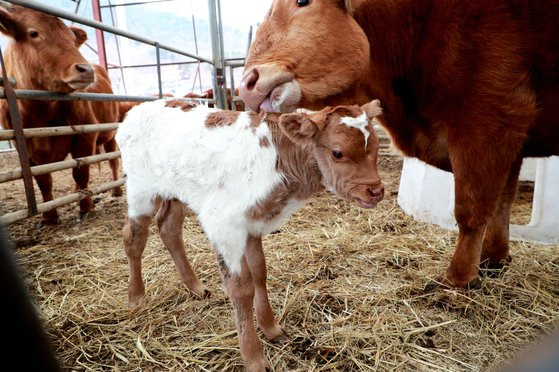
33	34
303	2
337	154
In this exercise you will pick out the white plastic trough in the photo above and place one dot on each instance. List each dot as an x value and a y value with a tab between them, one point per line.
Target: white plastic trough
427	194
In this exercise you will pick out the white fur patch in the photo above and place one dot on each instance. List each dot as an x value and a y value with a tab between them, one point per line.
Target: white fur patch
360	123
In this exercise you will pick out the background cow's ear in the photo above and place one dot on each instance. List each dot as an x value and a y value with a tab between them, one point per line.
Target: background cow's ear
372	109
298	127
81	35
8	26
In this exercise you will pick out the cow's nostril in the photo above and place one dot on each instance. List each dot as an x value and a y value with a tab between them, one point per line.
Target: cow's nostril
251	79
84	68
378	191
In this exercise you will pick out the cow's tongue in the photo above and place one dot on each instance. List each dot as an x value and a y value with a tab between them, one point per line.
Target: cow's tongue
266	105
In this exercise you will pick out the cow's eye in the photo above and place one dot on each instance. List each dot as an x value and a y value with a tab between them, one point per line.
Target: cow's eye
303	2
337	154
33	34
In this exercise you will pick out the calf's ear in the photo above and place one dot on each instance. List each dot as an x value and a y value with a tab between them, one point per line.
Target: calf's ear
372	109
298	127
81	35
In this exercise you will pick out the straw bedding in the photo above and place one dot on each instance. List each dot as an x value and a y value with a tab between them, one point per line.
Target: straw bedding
347	284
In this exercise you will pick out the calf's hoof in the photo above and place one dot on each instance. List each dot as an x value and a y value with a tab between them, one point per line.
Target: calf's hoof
260	365
135	298
199	290
275	334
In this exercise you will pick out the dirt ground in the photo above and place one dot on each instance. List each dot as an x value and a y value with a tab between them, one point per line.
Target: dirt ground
347	285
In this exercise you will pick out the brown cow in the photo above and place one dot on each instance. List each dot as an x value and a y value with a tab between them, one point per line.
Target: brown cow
467	86
43	54
209	94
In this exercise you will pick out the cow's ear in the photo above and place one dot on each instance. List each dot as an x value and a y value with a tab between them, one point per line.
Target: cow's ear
298	127
81	35
8	26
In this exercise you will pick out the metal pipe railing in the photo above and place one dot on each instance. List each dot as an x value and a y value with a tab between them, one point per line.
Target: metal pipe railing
47	95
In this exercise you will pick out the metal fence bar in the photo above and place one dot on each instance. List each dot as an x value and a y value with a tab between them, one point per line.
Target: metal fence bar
65	130
53	204
47	95
38	170
15	121
88	22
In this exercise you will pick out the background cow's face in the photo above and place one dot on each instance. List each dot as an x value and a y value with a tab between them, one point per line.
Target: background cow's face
305	51
345	146
47	51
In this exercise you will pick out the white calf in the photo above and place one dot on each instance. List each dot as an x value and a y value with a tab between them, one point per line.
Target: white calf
243	174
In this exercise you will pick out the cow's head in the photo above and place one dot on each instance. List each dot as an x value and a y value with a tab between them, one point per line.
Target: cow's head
44	52
305	52
345	146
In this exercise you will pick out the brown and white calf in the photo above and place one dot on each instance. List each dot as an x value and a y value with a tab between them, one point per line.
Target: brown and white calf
243	174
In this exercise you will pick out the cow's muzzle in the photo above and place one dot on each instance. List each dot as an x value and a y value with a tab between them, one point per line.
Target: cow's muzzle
269	88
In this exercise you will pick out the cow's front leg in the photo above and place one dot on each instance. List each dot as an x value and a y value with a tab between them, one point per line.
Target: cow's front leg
240	290
83	145
479	182
495	248
264	314
44	181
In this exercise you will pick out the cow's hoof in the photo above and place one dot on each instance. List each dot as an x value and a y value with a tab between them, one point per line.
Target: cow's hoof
83	216
49	222
494	269
49	218
117	192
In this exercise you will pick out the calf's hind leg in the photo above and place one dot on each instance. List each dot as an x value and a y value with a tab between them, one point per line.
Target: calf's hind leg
169	219
135	237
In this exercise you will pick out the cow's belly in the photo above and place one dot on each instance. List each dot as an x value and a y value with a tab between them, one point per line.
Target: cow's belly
543	138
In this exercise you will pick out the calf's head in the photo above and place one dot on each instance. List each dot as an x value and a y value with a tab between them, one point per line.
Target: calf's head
44	52
307	53
345	147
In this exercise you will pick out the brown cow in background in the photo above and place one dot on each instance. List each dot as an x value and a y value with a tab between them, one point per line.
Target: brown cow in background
209	94
43	54
467	86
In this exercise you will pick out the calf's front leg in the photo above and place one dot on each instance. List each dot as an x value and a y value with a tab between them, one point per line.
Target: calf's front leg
240	290
264	314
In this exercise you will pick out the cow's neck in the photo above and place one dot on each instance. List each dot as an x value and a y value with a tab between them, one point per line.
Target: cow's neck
396	32
297	163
